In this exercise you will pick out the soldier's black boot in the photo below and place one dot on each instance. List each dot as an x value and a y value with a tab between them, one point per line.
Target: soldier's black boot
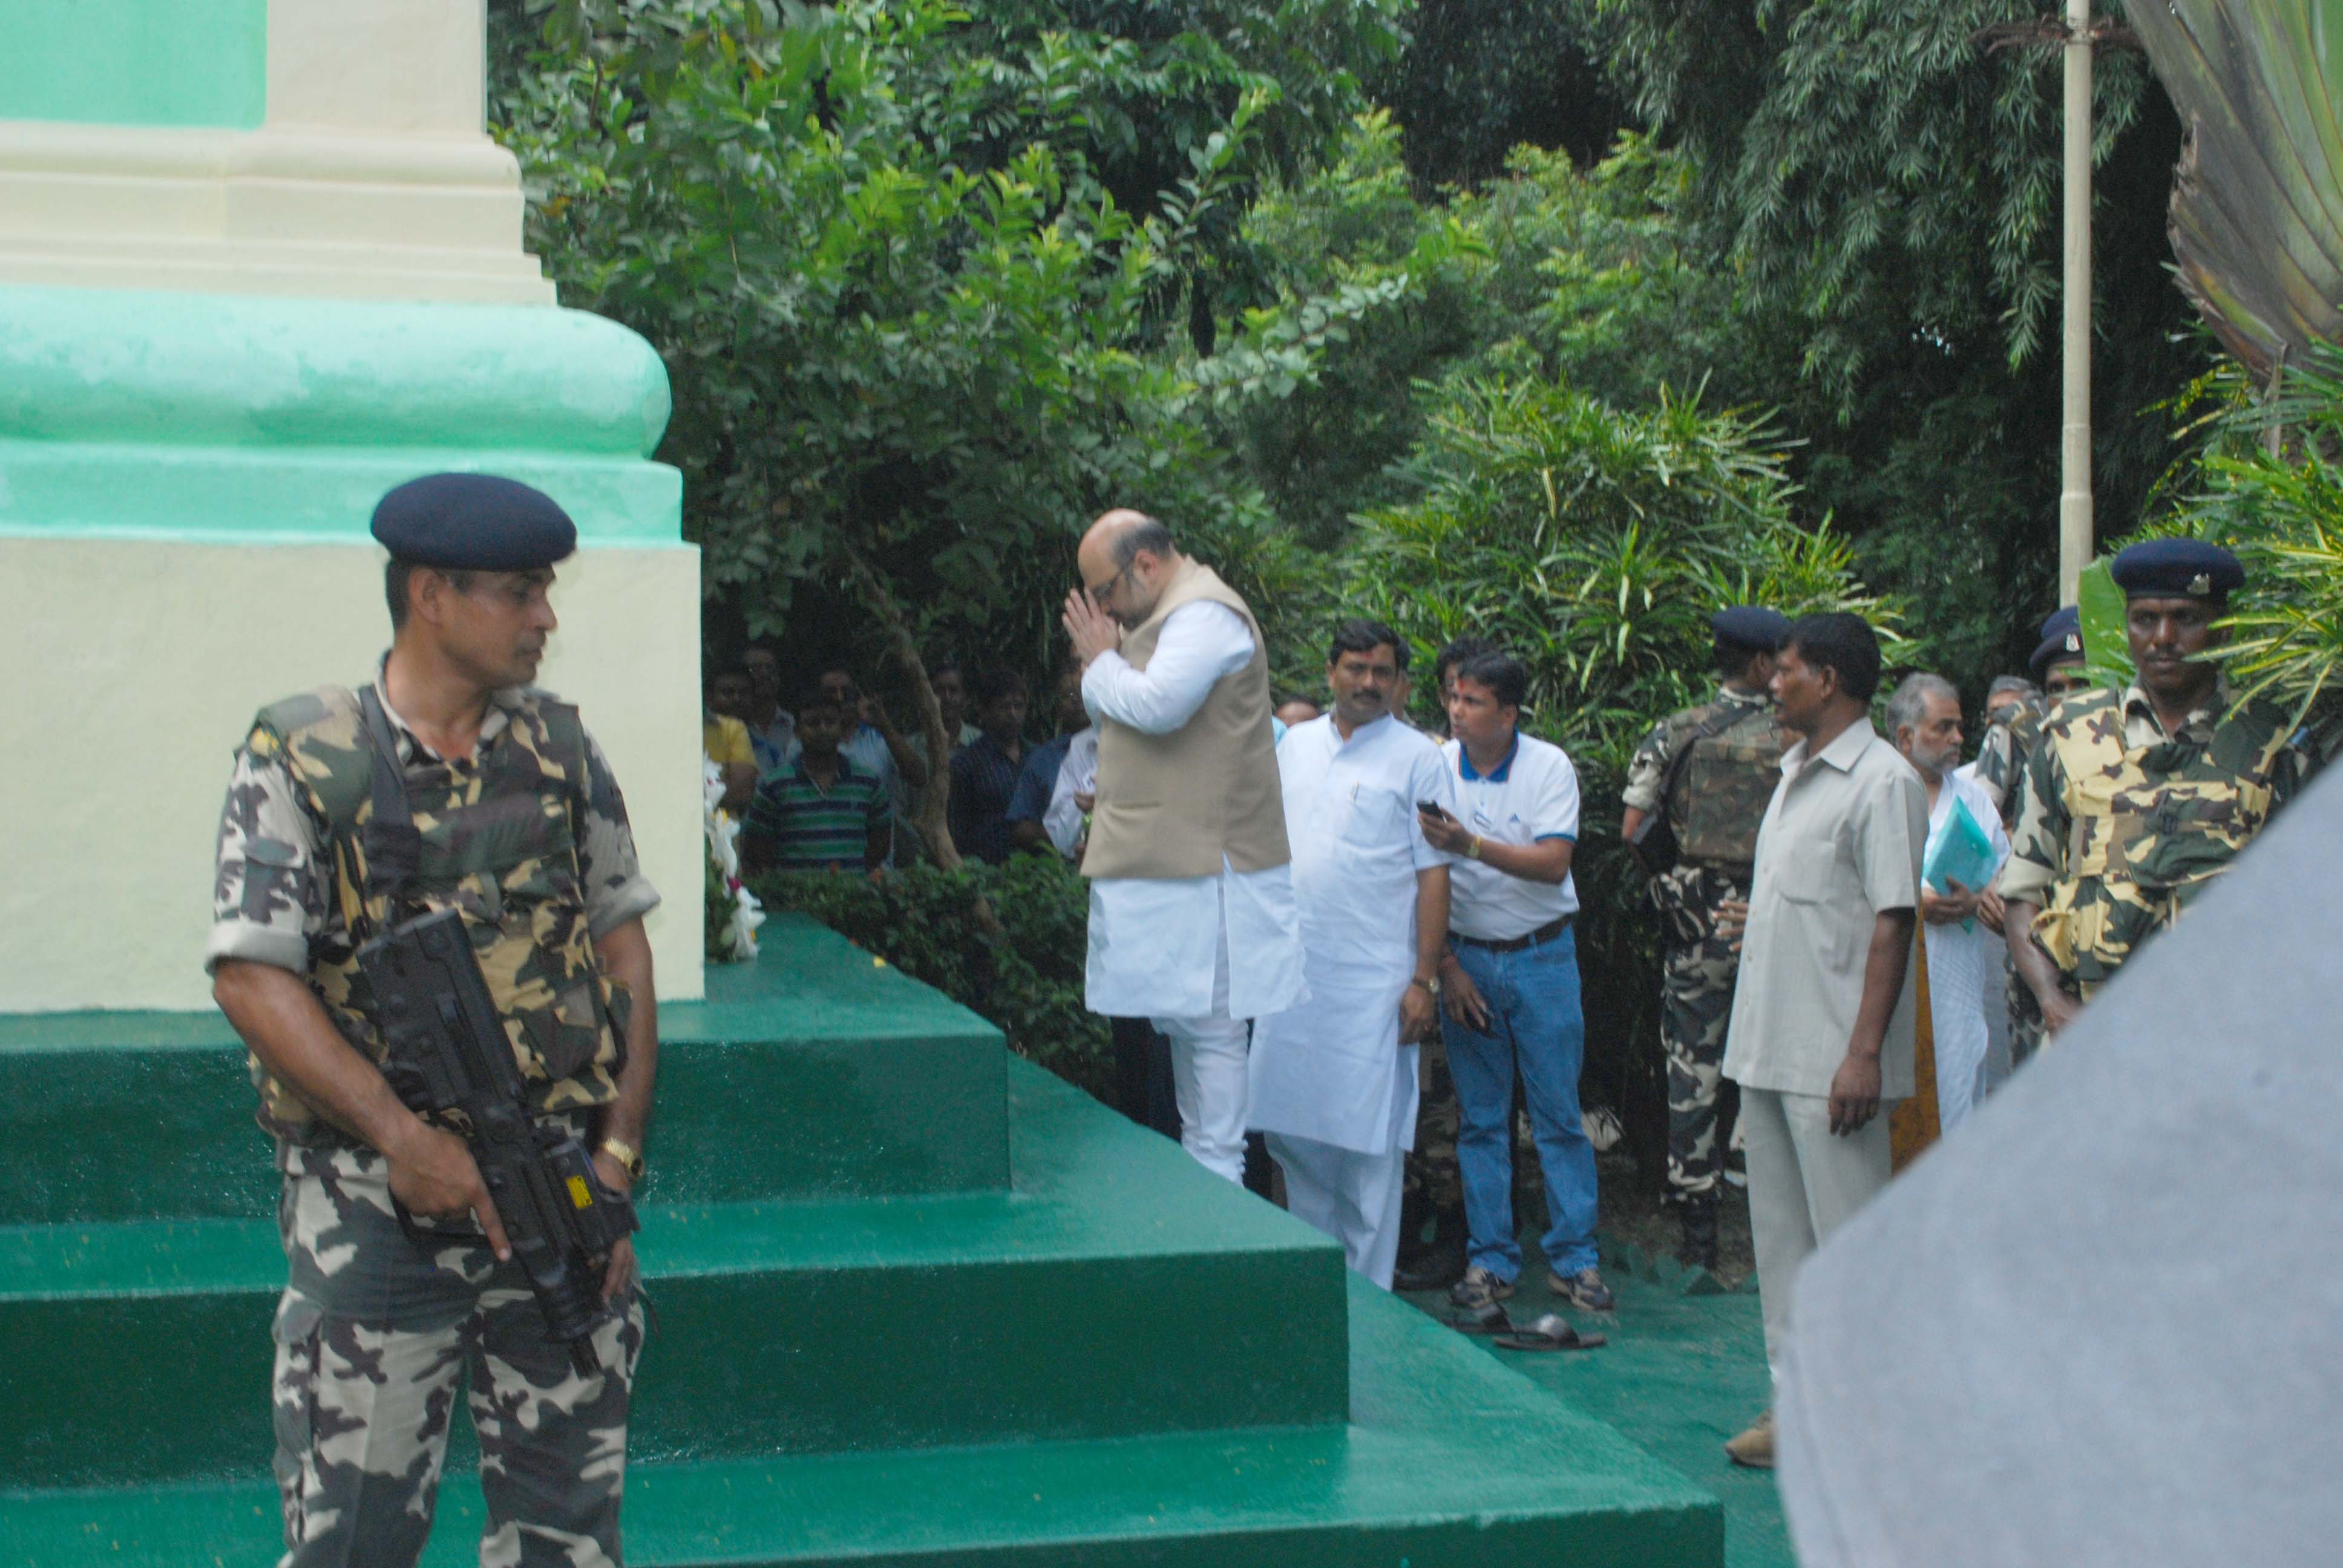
1696	1213
1437	1264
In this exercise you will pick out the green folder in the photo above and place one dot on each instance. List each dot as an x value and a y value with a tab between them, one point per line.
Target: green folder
1964	855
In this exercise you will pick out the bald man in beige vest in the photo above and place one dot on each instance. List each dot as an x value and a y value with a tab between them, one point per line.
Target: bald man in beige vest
1192	917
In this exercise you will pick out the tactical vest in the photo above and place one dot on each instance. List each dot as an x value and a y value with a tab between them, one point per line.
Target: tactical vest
500	843
2149	826
1729	775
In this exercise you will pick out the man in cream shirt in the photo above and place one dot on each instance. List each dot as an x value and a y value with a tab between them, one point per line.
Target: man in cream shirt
1822	1033
1192	917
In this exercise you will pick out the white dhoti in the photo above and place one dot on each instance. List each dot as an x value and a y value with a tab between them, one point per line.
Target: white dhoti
1965	970
1353	1197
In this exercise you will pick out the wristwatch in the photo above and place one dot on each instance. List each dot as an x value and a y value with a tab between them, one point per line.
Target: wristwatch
629	1159
1473	850
1431	985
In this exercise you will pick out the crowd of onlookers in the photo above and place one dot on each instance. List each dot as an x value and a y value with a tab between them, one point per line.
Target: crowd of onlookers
825	779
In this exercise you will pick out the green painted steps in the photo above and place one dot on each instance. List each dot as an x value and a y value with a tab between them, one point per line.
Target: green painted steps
1448	1458
873	1346
858	1081
783	1328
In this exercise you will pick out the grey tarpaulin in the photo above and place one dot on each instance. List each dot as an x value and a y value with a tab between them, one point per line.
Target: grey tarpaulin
2103	1322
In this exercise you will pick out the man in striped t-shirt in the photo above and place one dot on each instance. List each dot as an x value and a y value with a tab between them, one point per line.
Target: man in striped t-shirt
819	813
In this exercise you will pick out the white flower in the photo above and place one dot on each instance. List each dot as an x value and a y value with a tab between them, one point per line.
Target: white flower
740	932
747	916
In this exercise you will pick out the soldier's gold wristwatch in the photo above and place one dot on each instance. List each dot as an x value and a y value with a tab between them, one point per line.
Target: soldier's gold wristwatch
629	1159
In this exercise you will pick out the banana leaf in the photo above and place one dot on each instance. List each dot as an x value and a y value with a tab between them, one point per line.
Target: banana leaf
2257	217
2107	648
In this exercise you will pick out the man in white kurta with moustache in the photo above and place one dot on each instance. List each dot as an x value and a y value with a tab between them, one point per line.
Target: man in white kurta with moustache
1333	1078
1193	918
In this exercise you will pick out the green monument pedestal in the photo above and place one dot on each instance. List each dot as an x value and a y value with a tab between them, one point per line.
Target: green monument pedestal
918	1302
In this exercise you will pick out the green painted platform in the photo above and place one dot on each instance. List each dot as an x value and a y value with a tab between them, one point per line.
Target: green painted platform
866	1084
976	1318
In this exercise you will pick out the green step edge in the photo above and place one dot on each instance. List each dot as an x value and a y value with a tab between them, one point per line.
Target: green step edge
983	1316
863	1083
1449	1458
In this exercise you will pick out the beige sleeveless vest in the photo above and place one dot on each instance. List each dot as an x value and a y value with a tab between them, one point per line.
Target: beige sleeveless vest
1173	805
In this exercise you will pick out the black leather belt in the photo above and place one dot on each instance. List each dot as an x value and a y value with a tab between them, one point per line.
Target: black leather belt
1545	934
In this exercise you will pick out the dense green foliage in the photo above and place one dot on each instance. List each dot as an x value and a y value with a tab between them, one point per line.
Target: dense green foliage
1027	978
926	285
1883	186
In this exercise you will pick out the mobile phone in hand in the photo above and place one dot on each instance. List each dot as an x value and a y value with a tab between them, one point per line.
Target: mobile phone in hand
1433	808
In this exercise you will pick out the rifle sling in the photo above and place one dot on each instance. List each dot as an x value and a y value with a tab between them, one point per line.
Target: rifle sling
394	847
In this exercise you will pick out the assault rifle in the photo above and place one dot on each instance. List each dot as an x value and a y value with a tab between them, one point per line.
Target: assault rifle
448	1053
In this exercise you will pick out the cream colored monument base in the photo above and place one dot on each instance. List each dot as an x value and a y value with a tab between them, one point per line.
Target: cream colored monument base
272	211
134	667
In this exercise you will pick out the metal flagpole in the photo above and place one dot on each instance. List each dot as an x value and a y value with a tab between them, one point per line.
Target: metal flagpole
2074	540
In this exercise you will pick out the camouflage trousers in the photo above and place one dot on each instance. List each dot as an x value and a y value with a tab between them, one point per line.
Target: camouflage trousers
2025	1018
1695	1005
374	1334
1432	1176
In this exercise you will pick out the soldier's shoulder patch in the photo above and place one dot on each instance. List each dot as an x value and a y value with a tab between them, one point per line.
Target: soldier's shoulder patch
306	708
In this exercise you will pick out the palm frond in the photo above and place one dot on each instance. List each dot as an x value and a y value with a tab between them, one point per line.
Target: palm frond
2258	202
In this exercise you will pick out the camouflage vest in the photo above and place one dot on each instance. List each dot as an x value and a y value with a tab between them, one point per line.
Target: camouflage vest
2150	827
499	844
2021	734
1728	778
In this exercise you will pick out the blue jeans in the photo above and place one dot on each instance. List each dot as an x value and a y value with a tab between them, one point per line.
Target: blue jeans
1535	1025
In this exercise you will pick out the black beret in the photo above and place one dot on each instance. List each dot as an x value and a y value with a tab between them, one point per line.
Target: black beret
2178	569
2062	637
1753	627
474	522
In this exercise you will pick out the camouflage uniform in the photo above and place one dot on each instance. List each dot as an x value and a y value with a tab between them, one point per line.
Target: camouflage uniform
528	837
1432	1176
2121	826
2008	745
1718	800
2002	755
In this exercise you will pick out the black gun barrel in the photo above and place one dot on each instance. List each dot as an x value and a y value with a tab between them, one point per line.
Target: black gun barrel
449	1059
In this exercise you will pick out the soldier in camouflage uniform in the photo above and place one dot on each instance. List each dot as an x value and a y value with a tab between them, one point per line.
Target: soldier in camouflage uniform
2013	714
2002	758
1706	774
523	829
2136	801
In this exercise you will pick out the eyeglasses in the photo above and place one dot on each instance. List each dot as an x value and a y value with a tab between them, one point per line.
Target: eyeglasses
1102	592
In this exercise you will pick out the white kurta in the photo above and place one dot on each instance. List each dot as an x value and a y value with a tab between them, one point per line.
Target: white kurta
1156	941
1959	964
1330	1068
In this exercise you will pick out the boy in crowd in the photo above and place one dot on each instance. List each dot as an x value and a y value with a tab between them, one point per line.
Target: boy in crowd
821	813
